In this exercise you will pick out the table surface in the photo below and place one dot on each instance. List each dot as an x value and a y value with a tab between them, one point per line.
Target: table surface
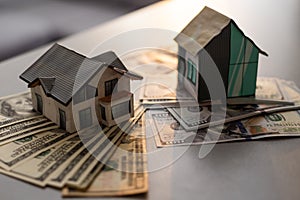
267	169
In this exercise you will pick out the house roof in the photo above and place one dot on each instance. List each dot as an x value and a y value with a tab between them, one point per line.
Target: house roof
62	72
202	29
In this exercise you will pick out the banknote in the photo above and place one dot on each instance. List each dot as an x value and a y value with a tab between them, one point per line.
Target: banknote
198	117
85	174
152	64
168	131
280	124
14	153
99	165
23	128
15	107
290	90
268	88
38	169
113	181
79	175
62	174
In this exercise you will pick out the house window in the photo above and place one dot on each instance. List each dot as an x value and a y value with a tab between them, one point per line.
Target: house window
103	114
91	92
121	109
85	93
192	72
110	86
85	118
181	69
39	101
62	119
80	96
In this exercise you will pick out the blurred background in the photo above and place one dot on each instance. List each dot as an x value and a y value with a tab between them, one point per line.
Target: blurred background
26	24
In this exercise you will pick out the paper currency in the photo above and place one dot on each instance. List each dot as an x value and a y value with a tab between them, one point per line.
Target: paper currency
152	64
198	117
24	127
115	182
60	177
268	88
290	90
283	123
79	176
14	153
15	107
90	168
168	131
38	169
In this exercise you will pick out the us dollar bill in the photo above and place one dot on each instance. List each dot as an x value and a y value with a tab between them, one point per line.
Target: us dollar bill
60	177
125	172
271	125
24	128
199	117
14	153
39	168
80	175
268	88
168	132
85	174
290	90
15	107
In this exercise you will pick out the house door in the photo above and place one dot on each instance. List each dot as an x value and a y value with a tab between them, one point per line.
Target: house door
110	86
39	103
62	119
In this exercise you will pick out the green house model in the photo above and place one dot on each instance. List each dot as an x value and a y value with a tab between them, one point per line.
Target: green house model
234	54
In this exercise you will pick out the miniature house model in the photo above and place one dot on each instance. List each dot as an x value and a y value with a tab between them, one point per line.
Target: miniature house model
234	54
62	79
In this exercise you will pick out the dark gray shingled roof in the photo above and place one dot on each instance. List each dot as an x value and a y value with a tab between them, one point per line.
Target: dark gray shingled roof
59	71
111	59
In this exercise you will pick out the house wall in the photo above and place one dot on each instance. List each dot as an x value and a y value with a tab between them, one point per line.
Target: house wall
181	66
91	104
99	82
217	55
243	64
106	75
51	108
189	86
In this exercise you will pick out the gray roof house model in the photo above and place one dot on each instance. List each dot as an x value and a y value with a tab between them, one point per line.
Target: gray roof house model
235	55
62	76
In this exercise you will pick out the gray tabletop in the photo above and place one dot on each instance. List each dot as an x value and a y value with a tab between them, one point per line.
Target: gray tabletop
267	169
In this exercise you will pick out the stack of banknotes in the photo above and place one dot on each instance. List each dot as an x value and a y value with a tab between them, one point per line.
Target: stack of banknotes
113	161
35	150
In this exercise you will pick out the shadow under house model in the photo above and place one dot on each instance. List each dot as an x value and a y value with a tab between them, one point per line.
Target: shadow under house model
98	87
234	54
